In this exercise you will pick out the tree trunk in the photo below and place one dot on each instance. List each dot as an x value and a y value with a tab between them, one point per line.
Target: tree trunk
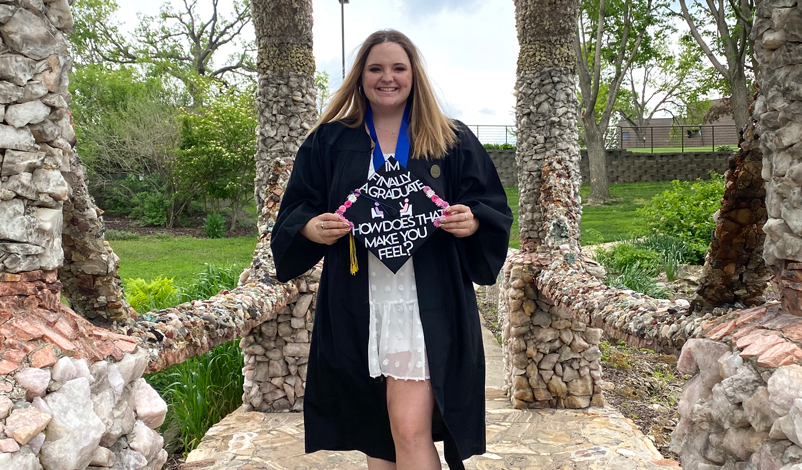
740	100
548	154
597	159
286	104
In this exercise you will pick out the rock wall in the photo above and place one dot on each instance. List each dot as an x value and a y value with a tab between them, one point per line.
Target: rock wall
777	35
629	167
549	306
743	406
77	414
71	393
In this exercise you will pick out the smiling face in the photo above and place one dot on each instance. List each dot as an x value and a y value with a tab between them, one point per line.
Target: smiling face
387	77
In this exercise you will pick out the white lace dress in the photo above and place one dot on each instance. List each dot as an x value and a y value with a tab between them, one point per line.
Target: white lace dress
396	346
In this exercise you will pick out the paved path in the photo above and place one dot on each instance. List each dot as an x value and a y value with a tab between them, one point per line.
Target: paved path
598	438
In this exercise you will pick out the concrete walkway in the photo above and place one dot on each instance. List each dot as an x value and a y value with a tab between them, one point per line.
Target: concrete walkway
598	438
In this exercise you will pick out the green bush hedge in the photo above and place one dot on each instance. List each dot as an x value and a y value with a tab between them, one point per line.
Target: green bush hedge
685	211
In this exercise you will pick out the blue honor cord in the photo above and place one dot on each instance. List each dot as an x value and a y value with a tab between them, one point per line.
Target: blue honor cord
401	147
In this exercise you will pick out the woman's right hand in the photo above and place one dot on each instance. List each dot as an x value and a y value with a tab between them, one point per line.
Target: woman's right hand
325	229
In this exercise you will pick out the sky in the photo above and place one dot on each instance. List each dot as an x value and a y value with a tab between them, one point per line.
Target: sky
469	46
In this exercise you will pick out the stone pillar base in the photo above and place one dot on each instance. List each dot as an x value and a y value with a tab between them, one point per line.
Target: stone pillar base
550	359
277	351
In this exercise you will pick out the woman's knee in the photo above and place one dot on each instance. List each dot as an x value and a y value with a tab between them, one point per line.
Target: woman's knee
410	405
411	430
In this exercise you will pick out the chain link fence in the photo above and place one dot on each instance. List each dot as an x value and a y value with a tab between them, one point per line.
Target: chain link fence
659	139
494	134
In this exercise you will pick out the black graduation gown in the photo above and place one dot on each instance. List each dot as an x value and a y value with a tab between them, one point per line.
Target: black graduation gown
344	408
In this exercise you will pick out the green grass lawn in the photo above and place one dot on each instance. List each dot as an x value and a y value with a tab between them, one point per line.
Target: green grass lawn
609	222
179	257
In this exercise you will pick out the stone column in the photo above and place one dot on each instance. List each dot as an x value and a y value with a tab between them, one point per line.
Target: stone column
89	273
542	370
734	269
286	101
777	35
41	174
546	115
276	352
33	107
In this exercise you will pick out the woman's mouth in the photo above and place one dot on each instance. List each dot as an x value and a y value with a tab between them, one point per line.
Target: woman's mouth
388	89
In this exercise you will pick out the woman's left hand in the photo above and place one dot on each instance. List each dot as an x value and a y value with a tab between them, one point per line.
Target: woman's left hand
460	221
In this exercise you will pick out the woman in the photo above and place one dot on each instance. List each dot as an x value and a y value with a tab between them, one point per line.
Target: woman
391	398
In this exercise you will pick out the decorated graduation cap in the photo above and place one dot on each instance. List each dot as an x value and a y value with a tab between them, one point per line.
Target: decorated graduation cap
393	213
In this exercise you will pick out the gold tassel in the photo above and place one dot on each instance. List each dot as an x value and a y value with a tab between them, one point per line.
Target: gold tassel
354	265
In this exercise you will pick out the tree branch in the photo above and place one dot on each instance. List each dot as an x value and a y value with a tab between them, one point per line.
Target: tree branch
597	53
699	40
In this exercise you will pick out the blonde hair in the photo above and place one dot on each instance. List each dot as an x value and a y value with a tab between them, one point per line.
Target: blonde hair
431	132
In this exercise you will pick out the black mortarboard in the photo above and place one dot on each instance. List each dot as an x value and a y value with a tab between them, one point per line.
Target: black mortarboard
393	214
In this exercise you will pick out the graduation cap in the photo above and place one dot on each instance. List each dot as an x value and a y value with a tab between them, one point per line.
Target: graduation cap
392	214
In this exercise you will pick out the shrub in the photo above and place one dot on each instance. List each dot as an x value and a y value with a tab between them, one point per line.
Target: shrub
199	393
637	278
686	210
145	296
670	246
150	208
112	234
622	256
214	225
504	146
210	281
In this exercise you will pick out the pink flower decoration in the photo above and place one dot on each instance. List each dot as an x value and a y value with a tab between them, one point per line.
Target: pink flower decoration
436	222
426	189
357	192
347	204
436	199
342	208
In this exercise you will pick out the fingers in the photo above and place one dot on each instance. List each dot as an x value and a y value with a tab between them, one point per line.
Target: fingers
325	229
460	221
331	228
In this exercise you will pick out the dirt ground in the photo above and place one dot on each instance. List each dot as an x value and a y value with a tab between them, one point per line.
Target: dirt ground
195	230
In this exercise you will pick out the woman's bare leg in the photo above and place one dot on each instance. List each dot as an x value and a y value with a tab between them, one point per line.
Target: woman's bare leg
379	464
410	404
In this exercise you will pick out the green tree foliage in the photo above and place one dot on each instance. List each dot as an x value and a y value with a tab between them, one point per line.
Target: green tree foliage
217	149
323	91
151	144
179	43
127	131
612	36
722	30
667	81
